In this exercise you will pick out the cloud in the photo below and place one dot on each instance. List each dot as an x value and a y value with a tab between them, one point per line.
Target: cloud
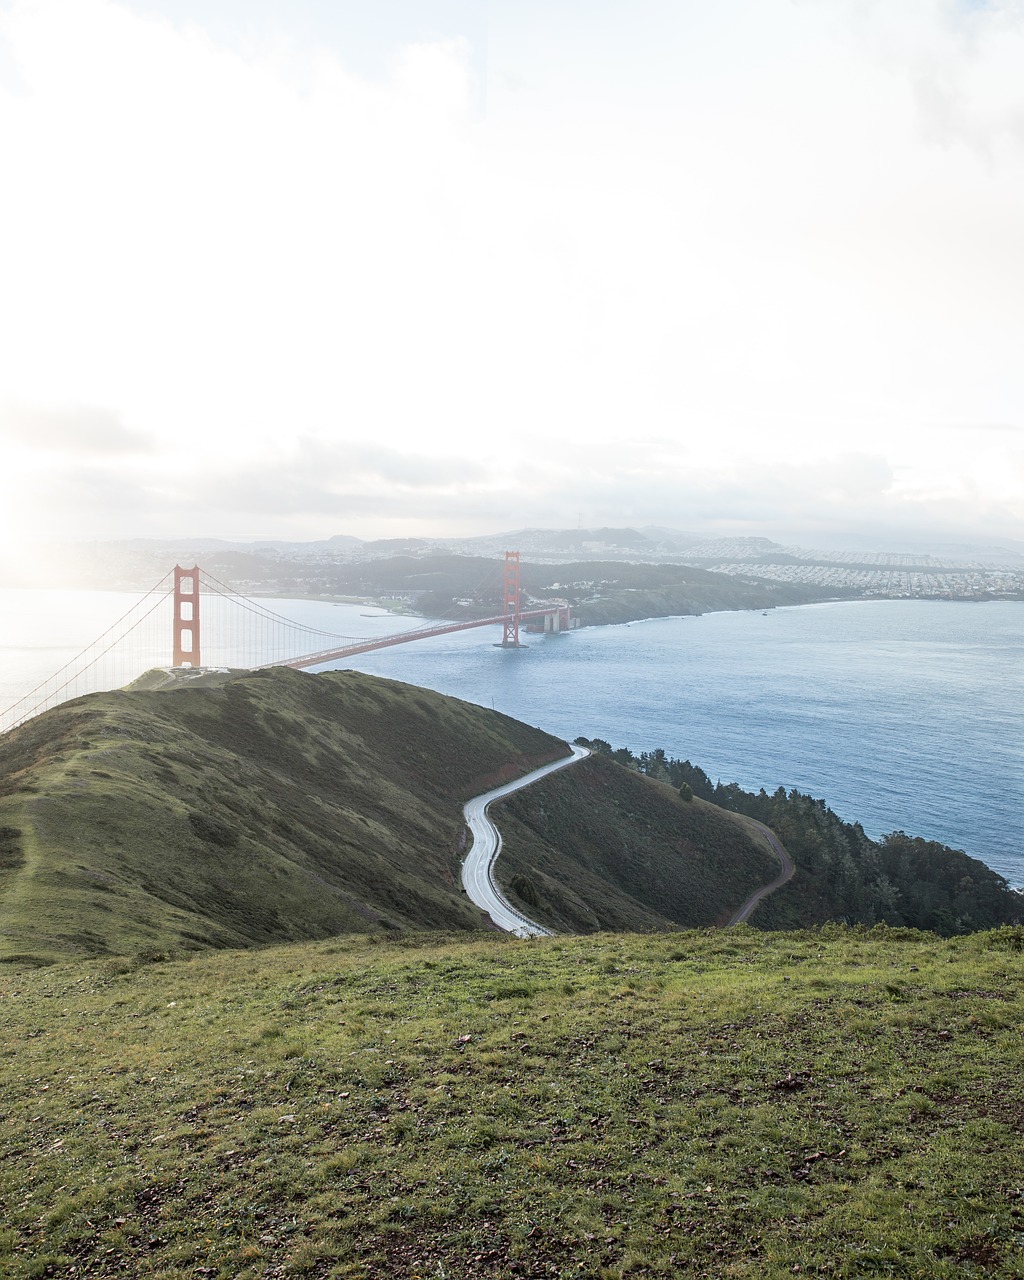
363	493
82	500
71	429
322	478
314	490
706	264
962	62
985	428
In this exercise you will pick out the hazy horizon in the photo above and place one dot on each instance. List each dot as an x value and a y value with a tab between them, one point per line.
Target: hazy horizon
454	267
830	542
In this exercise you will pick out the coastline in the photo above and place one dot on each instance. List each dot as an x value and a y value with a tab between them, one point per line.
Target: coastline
919	736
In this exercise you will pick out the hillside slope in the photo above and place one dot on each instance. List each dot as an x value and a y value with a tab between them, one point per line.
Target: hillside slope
262	808
845	876
834	1103
600	847
245	809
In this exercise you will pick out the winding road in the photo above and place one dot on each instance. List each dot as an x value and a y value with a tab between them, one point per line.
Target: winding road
478	867
786	874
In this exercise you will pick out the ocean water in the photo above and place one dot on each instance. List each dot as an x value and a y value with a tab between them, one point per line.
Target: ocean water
902	715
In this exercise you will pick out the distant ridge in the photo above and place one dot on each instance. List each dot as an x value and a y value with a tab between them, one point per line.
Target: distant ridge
343	564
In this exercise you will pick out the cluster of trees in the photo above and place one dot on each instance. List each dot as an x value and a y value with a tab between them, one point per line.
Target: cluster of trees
844	875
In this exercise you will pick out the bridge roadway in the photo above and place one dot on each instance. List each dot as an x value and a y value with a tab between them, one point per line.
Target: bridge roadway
404	637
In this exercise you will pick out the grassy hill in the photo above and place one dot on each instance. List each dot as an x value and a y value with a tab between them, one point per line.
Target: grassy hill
845	876
726	1103
247	809
267	807
585	850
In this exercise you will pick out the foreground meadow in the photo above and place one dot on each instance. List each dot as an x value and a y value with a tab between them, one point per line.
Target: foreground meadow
832	1103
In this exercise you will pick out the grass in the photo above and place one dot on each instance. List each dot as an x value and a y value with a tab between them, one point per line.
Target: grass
837	1103
255	809
250	809
602	847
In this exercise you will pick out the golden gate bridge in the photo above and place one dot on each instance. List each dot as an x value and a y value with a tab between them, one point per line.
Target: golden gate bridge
201	622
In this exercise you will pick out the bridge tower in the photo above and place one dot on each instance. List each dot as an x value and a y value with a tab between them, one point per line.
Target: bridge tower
186	617
510	639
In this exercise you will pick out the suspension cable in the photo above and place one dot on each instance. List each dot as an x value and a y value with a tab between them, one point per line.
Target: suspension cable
55	689
216	587
47	699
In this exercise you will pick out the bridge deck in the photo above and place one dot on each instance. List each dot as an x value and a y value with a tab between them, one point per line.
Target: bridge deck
404	637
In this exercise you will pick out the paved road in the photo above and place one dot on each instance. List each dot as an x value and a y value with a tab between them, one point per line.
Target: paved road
785	862
478	868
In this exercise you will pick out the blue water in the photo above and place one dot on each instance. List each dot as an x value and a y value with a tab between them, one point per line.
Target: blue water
901	714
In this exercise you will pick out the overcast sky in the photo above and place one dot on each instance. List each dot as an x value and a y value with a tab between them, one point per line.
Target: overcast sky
290	268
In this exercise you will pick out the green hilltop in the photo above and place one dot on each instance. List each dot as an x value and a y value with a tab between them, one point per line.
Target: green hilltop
235	809
239	809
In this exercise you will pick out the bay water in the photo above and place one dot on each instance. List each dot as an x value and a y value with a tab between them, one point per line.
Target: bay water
900	714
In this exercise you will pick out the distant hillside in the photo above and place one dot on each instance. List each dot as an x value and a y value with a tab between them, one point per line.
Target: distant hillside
763	572
244	809
586	850
603	592
843	874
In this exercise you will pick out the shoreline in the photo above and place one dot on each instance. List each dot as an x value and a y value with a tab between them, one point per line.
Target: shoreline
807	604
647	731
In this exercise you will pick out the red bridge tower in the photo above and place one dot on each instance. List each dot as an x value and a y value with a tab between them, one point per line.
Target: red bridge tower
186	616
510	639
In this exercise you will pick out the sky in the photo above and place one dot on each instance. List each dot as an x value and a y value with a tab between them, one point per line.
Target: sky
296	268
